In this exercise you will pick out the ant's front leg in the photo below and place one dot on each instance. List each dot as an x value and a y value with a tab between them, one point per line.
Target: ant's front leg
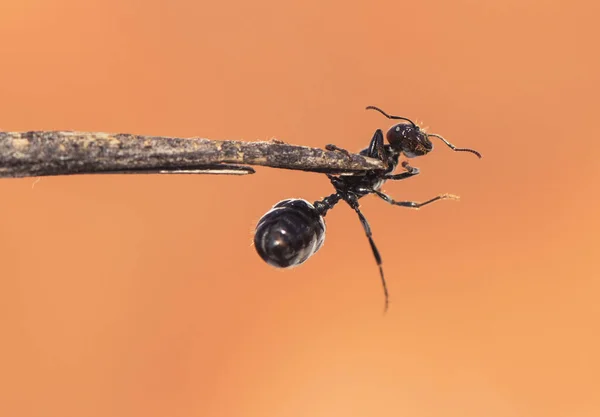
408	168
376	149
410	172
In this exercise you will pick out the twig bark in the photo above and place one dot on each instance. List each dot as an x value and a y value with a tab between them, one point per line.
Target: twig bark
43	153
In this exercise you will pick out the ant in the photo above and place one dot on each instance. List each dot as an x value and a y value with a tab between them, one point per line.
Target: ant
294	229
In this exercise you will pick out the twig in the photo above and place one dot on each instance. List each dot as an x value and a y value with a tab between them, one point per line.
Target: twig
42	153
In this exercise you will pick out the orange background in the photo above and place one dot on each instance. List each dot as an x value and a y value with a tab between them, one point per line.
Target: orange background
143	296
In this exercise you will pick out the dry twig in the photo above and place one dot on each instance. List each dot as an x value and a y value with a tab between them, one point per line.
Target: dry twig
43	153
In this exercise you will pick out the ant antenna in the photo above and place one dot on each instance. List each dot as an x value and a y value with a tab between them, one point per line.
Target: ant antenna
391	117
454	148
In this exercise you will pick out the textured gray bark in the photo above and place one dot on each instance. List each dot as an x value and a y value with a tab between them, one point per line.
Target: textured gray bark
43	153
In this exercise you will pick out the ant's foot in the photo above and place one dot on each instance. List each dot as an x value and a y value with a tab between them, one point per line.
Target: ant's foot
449	197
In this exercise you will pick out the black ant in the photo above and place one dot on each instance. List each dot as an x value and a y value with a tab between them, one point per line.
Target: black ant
294	230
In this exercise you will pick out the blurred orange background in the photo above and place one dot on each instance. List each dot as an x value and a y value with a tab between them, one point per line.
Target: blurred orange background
143	295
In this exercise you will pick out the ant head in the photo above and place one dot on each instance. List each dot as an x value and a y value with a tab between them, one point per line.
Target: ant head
409	139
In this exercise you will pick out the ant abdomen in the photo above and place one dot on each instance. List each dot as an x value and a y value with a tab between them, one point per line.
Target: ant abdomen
290	233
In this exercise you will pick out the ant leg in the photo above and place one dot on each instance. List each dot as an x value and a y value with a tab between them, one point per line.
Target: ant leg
411	172
354	204
413	204
402	176
336	148
277	141
374	150
407	167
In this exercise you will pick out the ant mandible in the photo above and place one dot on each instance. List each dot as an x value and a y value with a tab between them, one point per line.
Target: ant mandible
294	229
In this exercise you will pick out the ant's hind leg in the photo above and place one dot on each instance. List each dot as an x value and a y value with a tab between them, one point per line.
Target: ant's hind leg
413	204
354	204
